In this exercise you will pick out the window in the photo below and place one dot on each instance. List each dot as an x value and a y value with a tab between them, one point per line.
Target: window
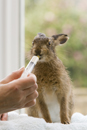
11	36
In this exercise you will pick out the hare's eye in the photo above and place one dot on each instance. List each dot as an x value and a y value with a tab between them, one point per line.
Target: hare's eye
49	43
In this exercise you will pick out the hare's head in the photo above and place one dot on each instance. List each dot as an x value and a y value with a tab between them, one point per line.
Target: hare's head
45	46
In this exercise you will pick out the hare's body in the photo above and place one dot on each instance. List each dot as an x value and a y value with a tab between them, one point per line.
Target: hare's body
54	87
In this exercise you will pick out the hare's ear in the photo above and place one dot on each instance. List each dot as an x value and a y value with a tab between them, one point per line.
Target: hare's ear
60	38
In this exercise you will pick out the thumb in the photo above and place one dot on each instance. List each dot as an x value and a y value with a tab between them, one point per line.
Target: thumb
15	75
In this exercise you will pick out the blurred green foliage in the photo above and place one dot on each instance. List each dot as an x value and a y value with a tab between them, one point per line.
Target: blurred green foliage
59	16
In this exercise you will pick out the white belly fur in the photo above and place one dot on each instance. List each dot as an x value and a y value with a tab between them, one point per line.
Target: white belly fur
53	106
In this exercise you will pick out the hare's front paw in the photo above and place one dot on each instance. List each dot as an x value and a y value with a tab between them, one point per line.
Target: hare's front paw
65	120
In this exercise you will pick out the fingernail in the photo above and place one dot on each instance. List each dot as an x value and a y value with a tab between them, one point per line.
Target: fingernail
22	68
28	75
37	94
36	86
35	78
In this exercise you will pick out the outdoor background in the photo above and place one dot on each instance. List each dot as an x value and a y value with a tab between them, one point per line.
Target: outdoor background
69	17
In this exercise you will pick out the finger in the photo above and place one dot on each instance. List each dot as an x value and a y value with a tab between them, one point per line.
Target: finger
31	74
0	116
31	97
13	76
4	117
30	104
25	83
30	90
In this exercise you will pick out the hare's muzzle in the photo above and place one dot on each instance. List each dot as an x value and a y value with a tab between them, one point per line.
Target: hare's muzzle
37	52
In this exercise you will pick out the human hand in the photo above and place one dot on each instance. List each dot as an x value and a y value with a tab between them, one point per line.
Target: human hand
16	92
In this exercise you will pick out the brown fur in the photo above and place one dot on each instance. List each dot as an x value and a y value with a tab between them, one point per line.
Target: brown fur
52	77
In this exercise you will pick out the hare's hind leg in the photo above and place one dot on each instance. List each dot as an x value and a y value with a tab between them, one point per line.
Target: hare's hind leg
64	108
64	111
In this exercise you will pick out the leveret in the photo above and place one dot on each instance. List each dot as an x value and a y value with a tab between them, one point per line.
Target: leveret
54	83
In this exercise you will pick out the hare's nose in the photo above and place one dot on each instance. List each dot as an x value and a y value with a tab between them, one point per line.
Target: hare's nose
37	52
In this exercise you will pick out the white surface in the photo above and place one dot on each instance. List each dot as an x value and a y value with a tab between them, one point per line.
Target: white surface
23	122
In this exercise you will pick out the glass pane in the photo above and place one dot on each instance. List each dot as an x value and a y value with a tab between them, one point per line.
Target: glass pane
69	17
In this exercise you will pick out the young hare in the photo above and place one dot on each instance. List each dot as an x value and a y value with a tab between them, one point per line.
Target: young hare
54	84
